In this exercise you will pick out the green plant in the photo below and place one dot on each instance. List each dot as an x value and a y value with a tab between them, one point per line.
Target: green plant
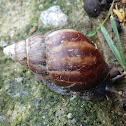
116	47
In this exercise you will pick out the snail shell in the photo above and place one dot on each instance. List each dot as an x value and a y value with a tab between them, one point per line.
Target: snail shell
65	57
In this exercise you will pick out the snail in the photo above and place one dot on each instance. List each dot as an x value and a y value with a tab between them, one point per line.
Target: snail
66	61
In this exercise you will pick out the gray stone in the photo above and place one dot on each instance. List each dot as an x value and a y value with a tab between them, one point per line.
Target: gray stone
19	79
53	16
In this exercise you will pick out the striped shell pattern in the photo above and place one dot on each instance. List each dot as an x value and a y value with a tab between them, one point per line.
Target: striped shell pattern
66	57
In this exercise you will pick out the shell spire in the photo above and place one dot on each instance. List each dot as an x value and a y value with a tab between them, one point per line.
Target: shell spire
17	52
30	53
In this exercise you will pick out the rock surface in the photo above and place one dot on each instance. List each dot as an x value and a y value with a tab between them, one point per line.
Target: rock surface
53	16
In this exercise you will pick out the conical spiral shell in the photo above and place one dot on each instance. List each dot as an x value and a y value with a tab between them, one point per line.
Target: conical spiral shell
30	53
66	56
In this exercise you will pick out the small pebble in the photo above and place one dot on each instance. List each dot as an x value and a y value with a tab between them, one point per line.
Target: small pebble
18	80
73	97
69	116
41	6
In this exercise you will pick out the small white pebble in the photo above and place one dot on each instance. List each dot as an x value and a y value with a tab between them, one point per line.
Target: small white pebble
73	97
41	6
20	79
16	95
43	117
69	115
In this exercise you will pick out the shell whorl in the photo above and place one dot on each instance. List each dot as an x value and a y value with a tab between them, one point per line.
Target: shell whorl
36	55
73	60
17	52
66	57
30	53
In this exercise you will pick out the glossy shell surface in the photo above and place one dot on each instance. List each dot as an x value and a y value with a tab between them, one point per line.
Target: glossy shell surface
73	60
66	57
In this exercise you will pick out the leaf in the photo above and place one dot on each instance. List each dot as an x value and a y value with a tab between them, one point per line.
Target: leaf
111	45
91	34
119	46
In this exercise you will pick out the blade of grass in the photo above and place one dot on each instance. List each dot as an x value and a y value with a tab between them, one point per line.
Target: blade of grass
119	46
113	23
111	45
94	32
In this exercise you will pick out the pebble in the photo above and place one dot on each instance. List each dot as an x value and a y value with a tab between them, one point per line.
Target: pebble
41	6
53	16
18	80
16	95
69	115
73	97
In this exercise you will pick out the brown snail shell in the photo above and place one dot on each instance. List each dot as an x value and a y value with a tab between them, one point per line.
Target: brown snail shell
65	57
